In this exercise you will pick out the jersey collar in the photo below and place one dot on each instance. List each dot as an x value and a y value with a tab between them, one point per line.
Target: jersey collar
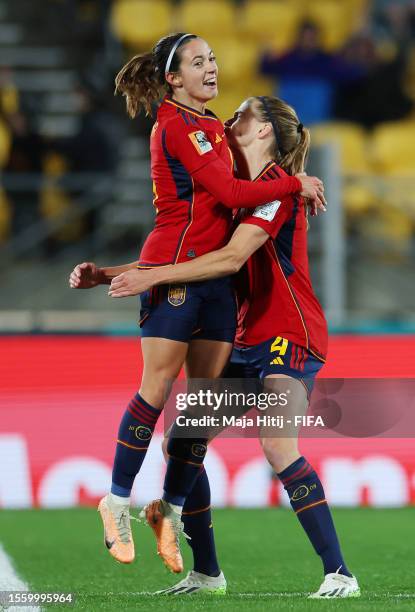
189	109
265	169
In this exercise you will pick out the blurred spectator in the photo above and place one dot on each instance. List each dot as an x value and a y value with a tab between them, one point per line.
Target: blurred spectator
307	75
93	148
378	95
82	26
66	20
393	22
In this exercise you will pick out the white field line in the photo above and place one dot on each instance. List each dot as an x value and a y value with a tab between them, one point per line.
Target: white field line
10	581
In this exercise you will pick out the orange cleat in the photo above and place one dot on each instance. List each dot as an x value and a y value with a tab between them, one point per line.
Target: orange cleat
117	530
167	527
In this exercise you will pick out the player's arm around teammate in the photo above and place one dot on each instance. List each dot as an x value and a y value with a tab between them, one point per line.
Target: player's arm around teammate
300	363
188	147
245	240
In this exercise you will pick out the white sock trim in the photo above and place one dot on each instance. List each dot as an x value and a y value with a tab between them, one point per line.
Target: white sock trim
117	499
177	509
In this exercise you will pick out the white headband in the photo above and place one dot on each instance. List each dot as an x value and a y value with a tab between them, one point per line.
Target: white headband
173	51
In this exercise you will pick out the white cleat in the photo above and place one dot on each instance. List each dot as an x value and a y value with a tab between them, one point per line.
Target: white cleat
197	583
337	585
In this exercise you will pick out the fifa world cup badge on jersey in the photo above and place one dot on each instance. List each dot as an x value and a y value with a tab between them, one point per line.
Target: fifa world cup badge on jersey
267	211
200	142
177	295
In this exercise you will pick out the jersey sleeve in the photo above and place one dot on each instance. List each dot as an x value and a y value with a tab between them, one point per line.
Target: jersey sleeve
195	151
189	144
270	217
218	180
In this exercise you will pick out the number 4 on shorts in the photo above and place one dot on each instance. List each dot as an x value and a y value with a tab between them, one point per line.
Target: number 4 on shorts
279	346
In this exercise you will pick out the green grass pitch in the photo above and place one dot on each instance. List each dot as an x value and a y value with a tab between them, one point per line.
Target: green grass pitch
266	558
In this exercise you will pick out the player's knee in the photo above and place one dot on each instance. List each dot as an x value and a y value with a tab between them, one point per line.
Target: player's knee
270	447
280	452
155	389
187	449
164	448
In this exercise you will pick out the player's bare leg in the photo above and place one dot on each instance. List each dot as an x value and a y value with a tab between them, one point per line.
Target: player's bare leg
163	360
282	451
306	492
207	358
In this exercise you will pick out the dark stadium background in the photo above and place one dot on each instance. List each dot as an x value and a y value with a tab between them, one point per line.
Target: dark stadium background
75	186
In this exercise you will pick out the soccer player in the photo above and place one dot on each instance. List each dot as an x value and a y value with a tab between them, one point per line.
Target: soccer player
281	338
194	194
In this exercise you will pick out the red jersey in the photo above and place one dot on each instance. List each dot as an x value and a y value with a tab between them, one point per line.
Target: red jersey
275	294
194	188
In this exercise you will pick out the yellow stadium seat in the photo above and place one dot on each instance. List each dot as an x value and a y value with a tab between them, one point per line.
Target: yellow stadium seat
9	99
390	227
54	164
336	20
5	144
237	60
359	9
271	23
261	86
141	23
358	194
393	149
5	216
231	96
410	74
212	18
226	104
54	204
399	190
352	142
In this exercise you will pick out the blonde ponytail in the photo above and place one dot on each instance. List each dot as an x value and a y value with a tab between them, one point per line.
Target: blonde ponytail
295	160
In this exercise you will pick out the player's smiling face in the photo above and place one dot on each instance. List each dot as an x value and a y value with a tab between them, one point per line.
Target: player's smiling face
198	75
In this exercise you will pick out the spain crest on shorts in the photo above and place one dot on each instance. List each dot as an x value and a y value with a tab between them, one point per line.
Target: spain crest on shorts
177	295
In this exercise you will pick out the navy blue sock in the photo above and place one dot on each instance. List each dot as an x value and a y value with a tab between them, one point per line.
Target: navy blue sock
186	457
134	437
308	501
197	521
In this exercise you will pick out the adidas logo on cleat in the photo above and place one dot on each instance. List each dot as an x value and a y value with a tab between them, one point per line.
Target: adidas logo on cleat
334	592
337	586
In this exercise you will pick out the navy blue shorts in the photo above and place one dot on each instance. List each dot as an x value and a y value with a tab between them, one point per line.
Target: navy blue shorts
189	311
275	356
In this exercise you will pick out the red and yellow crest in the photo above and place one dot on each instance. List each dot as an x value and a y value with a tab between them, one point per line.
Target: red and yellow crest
177	295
